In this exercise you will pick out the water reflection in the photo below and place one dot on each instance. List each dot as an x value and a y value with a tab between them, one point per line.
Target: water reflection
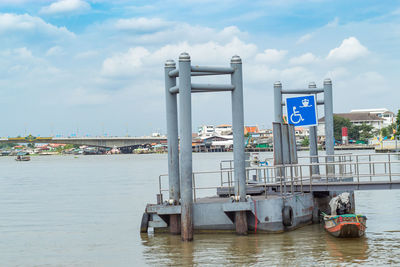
165	249
346	249
306	246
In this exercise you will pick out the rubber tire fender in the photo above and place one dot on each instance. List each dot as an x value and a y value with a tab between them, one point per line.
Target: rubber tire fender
287	216
144	224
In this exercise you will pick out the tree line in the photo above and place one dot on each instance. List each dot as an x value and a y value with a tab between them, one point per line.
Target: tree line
364	131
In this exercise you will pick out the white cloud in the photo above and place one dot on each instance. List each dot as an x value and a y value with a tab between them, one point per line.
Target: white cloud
87	54
207	53
374	87
350	49
371	80
139	59
124	64
65	6
141	24
270	56
22	52
260	73
298	74
190	33
304	38
20	62
304	59
12	23
55	51
333	23
156	31
338	73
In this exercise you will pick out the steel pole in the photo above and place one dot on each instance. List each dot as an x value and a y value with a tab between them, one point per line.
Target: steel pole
238	141
173	145
185	157
313	140
329	134
277	129
278	102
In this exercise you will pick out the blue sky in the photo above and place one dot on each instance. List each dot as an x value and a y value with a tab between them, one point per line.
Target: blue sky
94	66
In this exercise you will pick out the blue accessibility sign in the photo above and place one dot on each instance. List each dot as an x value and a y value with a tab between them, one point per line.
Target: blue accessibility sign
302	110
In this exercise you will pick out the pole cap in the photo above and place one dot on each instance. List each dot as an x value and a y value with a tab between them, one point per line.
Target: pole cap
184	57
327	81
277	84
236	60
312	85
170	63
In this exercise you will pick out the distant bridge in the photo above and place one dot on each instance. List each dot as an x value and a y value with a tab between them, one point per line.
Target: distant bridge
100	141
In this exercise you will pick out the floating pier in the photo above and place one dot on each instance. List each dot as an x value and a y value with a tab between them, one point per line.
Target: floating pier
283	194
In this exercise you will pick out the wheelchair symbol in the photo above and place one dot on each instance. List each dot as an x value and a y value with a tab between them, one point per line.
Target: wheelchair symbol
296	116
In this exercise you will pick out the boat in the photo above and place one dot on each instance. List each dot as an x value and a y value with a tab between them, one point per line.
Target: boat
23	156
5	152
341	222
345	225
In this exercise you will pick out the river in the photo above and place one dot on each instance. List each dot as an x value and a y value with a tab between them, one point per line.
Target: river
86	211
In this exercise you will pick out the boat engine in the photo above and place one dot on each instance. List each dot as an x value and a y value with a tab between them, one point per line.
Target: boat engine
340	204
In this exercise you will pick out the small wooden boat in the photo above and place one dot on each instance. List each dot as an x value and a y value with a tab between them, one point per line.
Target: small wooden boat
22	156
346	225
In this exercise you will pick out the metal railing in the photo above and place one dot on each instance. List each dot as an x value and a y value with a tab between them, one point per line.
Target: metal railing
290	178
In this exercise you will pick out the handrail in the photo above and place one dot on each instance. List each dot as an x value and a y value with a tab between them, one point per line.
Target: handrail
300	174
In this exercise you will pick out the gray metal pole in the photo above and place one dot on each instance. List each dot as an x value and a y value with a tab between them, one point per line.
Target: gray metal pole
313	140
278	102
172	134
329	134
285	144
238	141
285	150
238	128
292	144
277	129
185	157
173	145
278	155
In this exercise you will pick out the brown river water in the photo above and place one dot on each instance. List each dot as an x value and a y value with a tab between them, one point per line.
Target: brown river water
86	211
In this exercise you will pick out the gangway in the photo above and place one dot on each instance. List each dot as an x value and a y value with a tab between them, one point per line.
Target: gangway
351	172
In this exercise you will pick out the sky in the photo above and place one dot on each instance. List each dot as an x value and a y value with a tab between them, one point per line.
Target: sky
94	67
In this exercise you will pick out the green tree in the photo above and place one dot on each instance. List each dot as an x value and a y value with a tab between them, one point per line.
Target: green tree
384	132
398	117
305	141
365	132
7	146
69	146
31	145
388	131
338	124
354	132
397	123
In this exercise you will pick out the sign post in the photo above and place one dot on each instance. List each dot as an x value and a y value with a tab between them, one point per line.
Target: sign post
302	111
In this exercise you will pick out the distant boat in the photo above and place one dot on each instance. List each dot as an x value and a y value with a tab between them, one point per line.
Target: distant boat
5	152
345	225
23	156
